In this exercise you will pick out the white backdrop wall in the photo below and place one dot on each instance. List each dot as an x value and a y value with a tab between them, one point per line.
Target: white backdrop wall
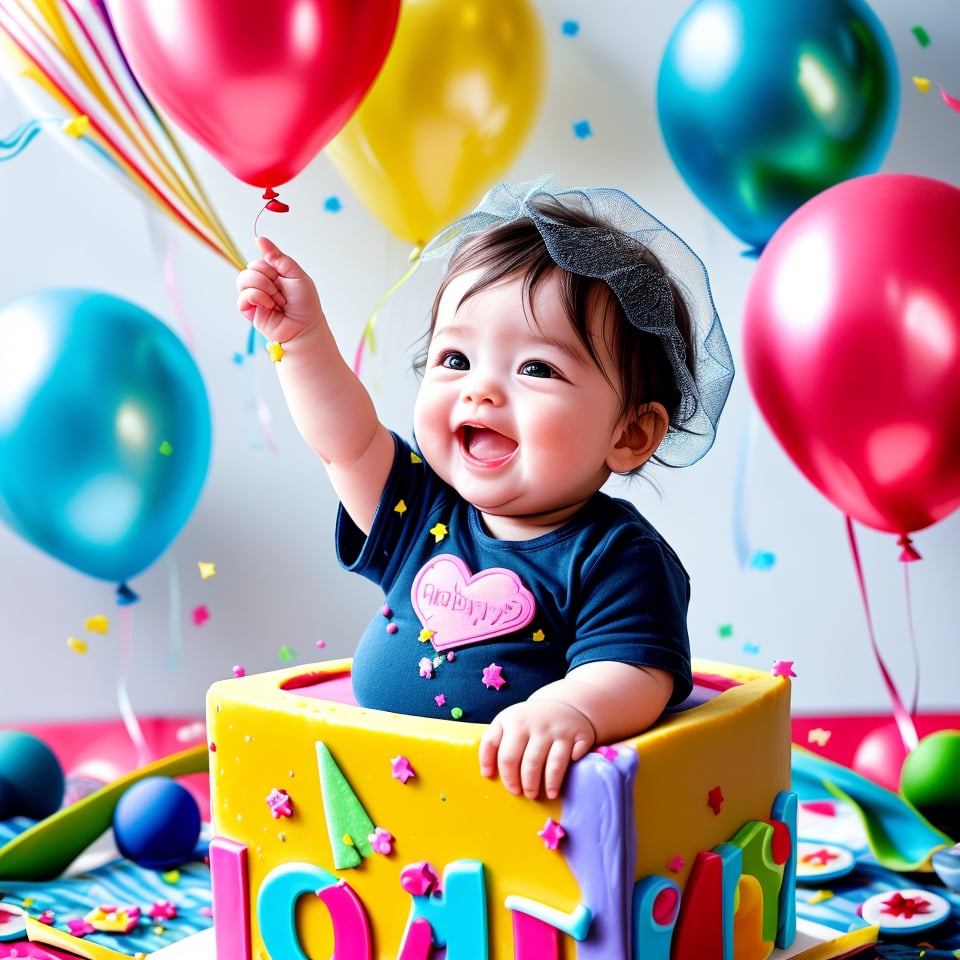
265	517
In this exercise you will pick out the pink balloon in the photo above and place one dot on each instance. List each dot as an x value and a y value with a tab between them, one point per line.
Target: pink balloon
880	756
263	86
852	346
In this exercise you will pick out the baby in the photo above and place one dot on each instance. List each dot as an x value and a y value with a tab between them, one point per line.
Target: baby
561	351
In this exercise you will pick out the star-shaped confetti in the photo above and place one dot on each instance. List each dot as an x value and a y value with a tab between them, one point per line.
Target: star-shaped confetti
400	769
493	676
207	570
783	668
439	531
276	351
715	799
551	834
280	804
439	699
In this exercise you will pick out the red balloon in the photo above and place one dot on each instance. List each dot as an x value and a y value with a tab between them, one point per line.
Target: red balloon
852	346
263	85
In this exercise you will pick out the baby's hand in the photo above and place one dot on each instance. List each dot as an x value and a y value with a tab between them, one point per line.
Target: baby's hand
532	744
277	296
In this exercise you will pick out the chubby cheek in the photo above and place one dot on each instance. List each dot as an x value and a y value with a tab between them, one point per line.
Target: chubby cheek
431	423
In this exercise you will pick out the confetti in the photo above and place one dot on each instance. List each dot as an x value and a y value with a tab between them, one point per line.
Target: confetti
715	800
286	654
382	841
276	351
551	834
207	569
493	676
400	508
439	531
165	449
923	38
76	645
538	636
725	630
819	736
280	804
570	28
922	84
783	668
582	129
97	624
332	204
400	769
200	615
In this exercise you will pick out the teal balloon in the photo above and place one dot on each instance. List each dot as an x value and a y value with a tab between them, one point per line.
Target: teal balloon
105	430
762	105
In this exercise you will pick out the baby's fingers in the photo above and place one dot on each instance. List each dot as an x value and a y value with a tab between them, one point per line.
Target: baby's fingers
489	744
555	768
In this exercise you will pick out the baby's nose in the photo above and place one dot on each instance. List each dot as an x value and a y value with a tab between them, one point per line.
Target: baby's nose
482	388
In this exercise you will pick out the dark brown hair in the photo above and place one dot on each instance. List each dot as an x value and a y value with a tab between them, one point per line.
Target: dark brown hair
644	372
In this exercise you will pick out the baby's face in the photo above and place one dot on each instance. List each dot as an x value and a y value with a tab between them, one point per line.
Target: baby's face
512	411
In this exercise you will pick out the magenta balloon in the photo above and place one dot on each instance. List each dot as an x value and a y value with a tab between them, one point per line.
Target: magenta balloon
263	86
852	346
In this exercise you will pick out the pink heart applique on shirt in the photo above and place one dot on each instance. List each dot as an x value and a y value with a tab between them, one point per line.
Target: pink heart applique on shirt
463	608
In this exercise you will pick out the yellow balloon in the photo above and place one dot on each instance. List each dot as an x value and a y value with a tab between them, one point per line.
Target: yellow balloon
448	113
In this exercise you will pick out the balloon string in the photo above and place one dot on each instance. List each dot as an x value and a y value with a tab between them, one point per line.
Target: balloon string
741	539
904	719
123	696
253	407
367	337
915	699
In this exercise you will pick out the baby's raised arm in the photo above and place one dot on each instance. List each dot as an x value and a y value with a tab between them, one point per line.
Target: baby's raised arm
330	406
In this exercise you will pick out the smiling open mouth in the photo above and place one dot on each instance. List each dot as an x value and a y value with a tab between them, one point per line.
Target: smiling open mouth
486	446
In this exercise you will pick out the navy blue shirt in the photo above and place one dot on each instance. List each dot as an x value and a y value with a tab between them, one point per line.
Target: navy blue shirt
459	604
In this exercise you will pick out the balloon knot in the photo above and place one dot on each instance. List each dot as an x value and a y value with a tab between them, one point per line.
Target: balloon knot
270	194
126	596
908	554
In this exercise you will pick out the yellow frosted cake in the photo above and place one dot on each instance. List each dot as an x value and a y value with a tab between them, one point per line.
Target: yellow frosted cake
361	835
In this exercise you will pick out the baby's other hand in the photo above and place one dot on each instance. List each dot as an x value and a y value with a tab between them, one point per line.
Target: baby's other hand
531	744
276	295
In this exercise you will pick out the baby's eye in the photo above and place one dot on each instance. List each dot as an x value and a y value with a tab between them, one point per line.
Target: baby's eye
454	361
537	368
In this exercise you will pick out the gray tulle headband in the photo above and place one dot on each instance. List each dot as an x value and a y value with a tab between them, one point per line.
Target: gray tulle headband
641	289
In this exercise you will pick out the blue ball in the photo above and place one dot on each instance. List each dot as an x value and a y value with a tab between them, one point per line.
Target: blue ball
156	823
31	778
